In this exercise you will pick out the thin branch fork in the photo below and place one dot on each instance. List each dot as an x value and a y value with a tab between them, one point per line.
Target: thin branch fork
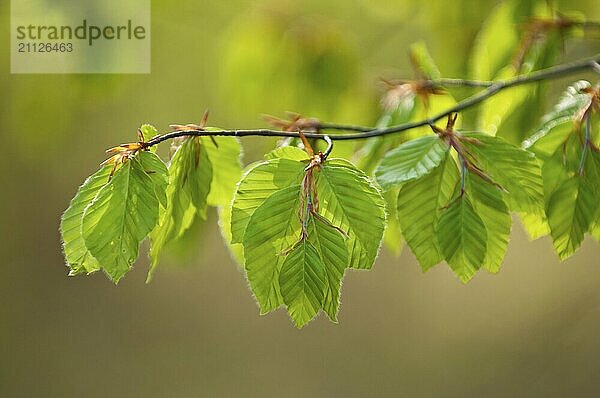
362	132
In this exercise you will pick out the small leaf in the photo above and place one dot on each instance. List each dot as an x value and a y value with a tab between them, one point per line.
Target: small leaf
410	161
303	282
288	152
77	254
332	250
121	215
462	238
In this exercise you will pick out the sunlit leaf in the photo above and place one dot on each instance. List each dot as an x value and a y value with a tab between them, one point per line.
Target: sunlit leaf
462	237
121	215
410	161
77	254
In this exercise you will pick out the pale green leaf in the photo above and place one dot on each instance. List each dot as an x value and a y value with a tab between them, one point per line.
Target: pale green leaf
258	183
149	132
158	173
419	205
190	174
330	245
462	238
349	200
273	227
121	215
410	161
77	254
225	158
303	282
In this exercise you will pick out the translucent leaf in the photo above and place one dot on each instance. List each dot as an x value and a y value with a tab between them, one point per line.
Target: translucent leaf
302	281
488	203
121	215
423	61
149	132
419	205
189	183
349	200
77	254
332	250
392	237
227	168
462	238
257	184
273	227
410	161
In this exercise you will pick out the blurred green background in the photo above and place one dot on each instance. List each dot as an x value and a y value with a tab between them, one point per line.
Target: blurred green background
195	330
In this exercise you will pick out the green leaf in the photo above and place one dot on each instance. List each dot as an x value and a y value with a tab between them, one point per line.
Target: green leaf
288	152
235	249
273	227
462	238
392	237
303	282
189	183
410	161
488	203
257	184
121	215
349	200
77	254
495	42
419	205
158	173
330	245
557	124
571	210
225	158
515	169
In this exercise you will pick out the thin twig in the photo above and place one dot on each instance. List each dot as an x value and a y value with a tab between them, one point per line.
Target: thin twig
362	132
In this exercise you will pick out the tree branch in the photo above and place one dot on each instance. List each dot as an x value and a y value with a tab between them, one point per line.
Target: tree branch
362	132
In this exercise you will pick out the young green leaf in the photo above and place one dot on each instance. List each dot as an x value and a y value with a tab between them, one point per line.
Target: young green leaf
330	245
189	183
76	252
303	282
224	154
121	215
410	161
419	205
258	183
273	227
350	201
462	238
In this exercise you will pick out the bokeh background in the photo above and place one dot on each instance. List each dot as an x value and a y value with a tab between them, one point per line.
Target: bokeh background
531	330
